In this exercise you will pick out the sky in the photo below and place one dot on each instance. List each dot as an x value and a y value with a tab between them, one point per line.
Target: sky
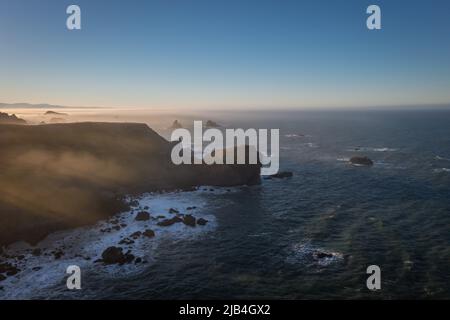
223	54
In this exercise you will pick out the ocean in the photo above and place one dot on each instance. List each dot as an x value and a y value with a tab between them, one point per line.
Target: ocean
261	242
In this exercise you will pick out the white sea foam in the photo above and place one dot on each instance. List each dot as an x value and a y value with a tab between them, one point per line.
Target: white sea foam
441	170
306	253
294	135
371	149
83	246
442	158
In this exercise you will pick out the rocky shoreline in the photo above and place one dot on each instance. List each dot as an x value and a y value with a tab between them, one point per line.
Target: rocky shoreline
126	241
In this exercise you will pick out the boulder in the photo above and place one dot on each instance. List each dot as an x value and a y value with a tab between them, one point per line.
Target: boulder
142	216
148	233
361	161
189	220
115	255
169	222
126	241
202	222
136	235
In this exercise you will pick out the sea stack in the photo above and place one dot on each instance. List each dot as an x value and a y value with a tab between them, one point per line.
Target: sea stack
361	161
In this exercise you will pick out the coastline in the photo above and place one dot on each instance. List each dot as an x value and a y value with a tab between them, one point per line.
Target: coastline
41	273
63	176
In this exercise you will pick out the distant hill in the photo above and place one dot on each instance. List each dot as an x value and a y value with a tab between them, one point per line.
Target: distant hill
10	119
29	106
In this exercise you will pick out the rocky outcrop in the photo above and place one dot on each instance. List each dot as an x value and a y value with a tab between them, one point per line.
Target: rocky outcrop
142	216
212	124
148	233
115	255
60	176
169	222
10	119
189	220
54	113
361	161
176	125
281	175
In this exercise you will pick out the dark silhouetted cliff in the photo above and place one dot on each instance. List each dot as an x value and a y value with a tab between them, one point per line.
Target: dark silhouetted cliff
66	175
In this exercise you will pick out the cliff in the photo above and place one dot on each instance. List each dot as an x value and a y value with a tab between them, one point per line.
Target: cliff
61	176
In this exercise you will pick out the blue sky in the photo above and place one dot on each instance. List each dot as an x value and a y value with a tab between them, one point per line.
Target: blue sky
225	54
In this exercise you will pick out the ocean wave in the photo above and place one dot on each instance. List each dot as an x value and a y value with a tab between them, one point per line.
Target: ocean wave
441	170
310	144
441	158
371	149
40	273
294	135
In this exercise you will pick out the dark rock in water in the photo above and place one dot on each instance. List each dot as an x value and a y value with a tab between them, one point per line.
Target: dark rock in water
115	255
146	208
361	161
138	260
169	222
136	235
126	241
202	221
160	217
176	125
322	255
189	220
142	216
191	208
174	211
281	175
117	228
148	233
36	268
